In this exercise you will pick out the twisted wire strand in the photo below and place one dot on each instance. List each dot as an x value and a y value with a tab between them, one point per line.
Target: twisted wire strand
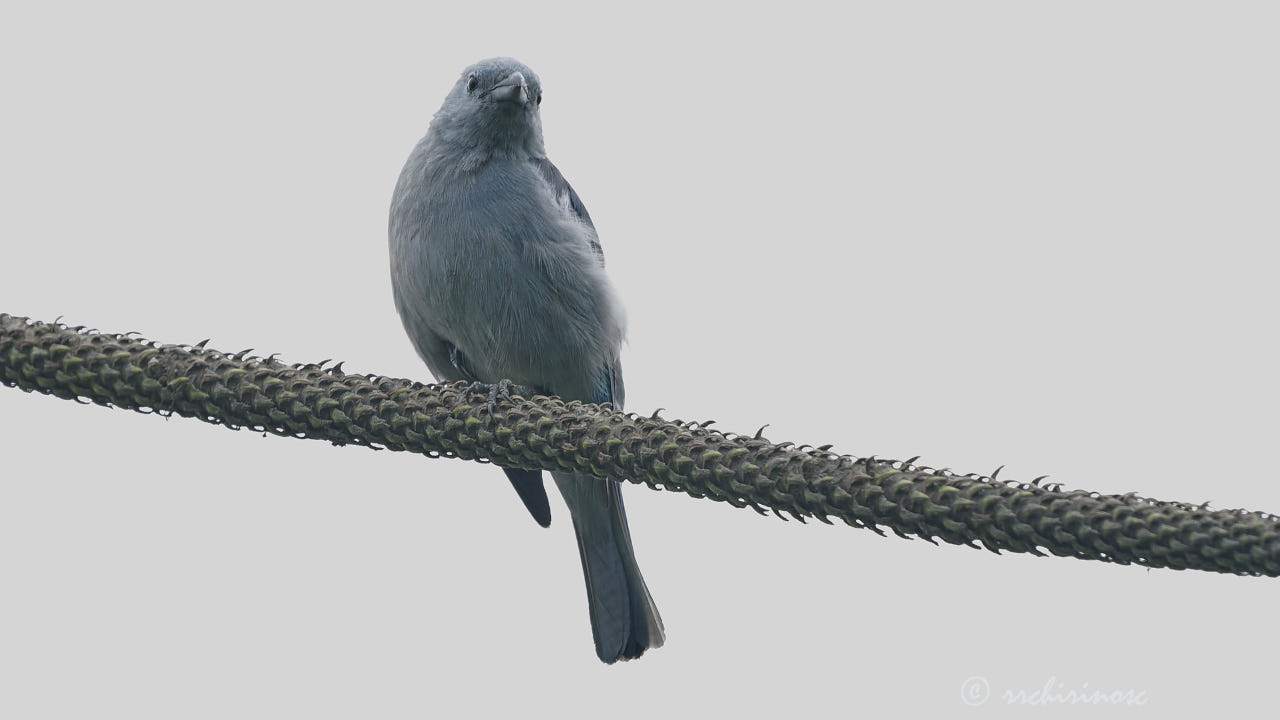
447	420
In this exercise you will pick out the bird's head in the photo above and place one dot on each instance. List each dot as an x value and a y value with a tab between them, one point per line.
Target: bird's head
493	107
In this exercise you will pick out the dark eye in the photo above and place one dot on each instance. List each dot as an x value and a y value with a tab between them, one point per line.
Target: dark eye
472	83
539	98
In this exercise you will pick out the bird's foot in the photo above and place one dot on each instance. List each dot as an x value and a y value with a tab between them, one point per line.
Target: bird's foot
502	387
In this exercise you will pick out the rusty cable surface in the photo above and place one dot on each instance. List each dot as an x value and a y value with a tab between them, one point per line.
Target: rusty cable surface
311	401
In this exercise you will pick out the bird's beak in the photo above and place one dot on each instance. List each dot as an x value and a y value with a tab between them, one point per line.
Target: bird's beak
513	89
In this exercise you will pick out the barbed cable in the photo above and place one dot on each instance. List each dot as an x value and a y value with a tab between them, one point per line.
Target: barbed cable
448	420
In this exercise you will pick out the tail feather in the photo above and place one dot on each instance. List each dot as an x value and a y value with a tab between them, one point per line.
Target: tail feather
624	619
528	485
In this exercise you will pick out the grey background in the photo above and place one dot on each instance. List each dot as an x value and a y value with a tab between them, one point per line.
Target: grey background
1031	234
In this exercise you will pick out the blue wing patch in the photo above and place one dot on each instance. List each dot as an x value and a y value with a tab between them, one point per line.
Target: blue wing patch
609	387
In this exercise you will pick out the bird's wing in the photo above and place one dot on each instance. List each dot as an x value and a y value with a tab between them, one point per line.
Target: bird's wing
609	387
565	195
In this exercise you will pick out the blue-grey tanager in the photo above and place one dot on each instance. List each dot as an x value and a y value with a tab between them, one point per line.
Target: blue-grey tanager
498	275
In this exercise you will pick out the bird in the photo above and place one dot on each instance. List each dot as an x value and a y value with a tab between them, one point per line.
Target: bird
498	277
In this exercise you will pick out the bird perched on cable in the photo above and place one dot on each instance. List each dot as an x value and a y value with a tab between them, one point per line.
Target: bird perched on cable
498	276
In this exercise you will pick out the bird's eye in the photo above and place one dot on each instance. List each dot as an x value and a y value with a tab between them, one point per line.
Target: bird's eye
472	83
539	98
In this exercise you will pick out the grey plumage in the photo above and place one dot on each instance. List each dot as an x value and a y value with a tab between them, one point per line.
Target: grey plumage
498	273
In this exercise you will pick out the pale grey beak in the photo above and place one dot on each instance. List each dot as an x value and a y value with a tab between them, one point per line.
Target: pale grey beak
512	89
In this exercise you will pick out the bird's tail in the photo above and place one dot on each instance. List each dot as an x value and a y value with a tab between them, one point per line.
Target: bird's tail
624	620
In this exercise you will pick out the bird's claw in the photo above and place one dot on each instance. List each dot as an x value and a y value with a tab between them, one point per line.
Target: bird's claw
502	387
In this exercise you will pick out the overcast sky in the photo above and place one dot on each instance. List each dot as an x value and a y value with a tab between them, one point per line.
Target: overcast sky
1031	234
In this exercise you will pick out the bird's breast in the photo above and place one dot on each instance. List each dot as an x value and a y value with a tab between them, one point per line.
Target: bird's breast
511	279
